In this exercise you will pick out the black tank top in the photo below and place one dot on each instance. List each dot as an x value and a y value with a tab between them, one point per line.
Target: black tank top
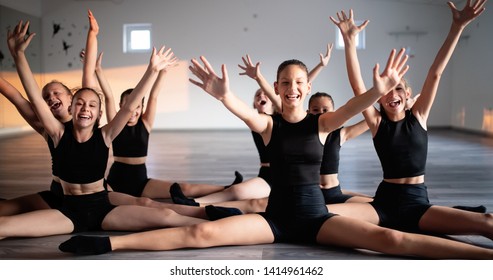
261	148
401	146
81	163
133	141
51	147
296	154
332	148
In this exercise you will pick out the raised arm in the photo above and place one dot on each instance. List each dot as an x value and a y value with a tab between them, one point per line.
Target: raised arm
159	60
22	105
353	131
91	52
18	41
382	84
253	71
461	19
219	88
109	99
349	31
324	61
150	111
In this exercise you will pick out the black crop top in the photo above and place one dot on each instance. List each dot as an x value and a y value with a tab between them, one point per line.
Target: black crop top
295	152
261	148
332	148
51	147
401	146
133	141
81	163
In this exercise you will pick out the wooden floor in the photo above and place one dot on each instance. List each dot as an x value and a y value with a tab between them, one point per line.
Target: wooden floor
459	171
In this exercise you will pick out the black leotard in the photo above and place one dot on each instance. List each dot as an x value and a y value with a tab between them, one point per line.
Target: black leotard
296	209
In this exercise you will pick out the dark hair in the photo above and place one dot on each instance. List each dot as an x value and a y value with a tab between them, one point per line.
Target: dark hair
128	92
320	95
96	124
287	63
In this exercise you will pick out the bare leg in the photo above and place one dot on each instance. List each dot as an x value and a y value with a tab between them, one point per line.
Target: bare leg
136	218
359	199
361	211
22	204
246	206
228	231
160	189
252	188
35	224
353	233
438	220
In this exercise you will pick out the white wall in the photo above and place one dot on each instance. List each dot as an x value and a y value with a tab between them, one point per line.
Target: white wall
26	6
270	31
472	90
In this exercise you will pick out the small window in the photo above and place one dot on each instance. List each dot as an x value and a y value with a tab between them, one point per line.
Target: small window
137	38
360	39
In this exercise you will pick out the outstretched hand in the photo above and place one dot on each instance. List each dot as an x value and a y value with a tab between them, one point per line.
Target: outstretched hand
251	70
393	72
346	24
324	59
162	59
209	81
18	39
469	13
93	23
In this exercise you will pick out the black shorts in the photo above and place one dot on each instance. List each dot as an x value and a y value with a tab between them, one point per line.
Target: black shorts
128	178
53	197
287	230
401	206
86	212
334	195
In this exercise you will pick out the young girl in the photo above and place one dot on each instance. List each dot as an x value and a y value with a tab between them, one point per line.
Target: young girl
253	192
400	139
81	155
59	96
296	210
128	173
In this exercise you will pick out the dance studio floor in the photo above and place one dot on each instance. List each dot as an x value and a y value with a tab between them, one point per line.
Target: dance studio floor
459	172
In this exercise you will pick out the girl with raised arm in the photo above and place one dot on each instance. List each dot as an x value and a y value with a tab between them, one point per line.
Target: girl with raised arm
81	155
401	141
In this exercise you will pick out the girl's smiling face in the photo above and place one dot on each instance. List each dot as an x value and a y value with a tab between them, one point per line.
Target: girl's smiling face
292	85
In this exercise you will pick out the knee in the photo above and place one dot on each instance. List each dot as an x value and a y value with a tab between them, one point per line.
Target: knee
144	201
202	234
393	240
237	192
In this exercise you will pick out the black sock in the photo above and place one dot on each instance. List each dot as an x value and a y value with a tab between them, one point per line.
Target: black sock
477	209
86	245
218	212
179	198
238	179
